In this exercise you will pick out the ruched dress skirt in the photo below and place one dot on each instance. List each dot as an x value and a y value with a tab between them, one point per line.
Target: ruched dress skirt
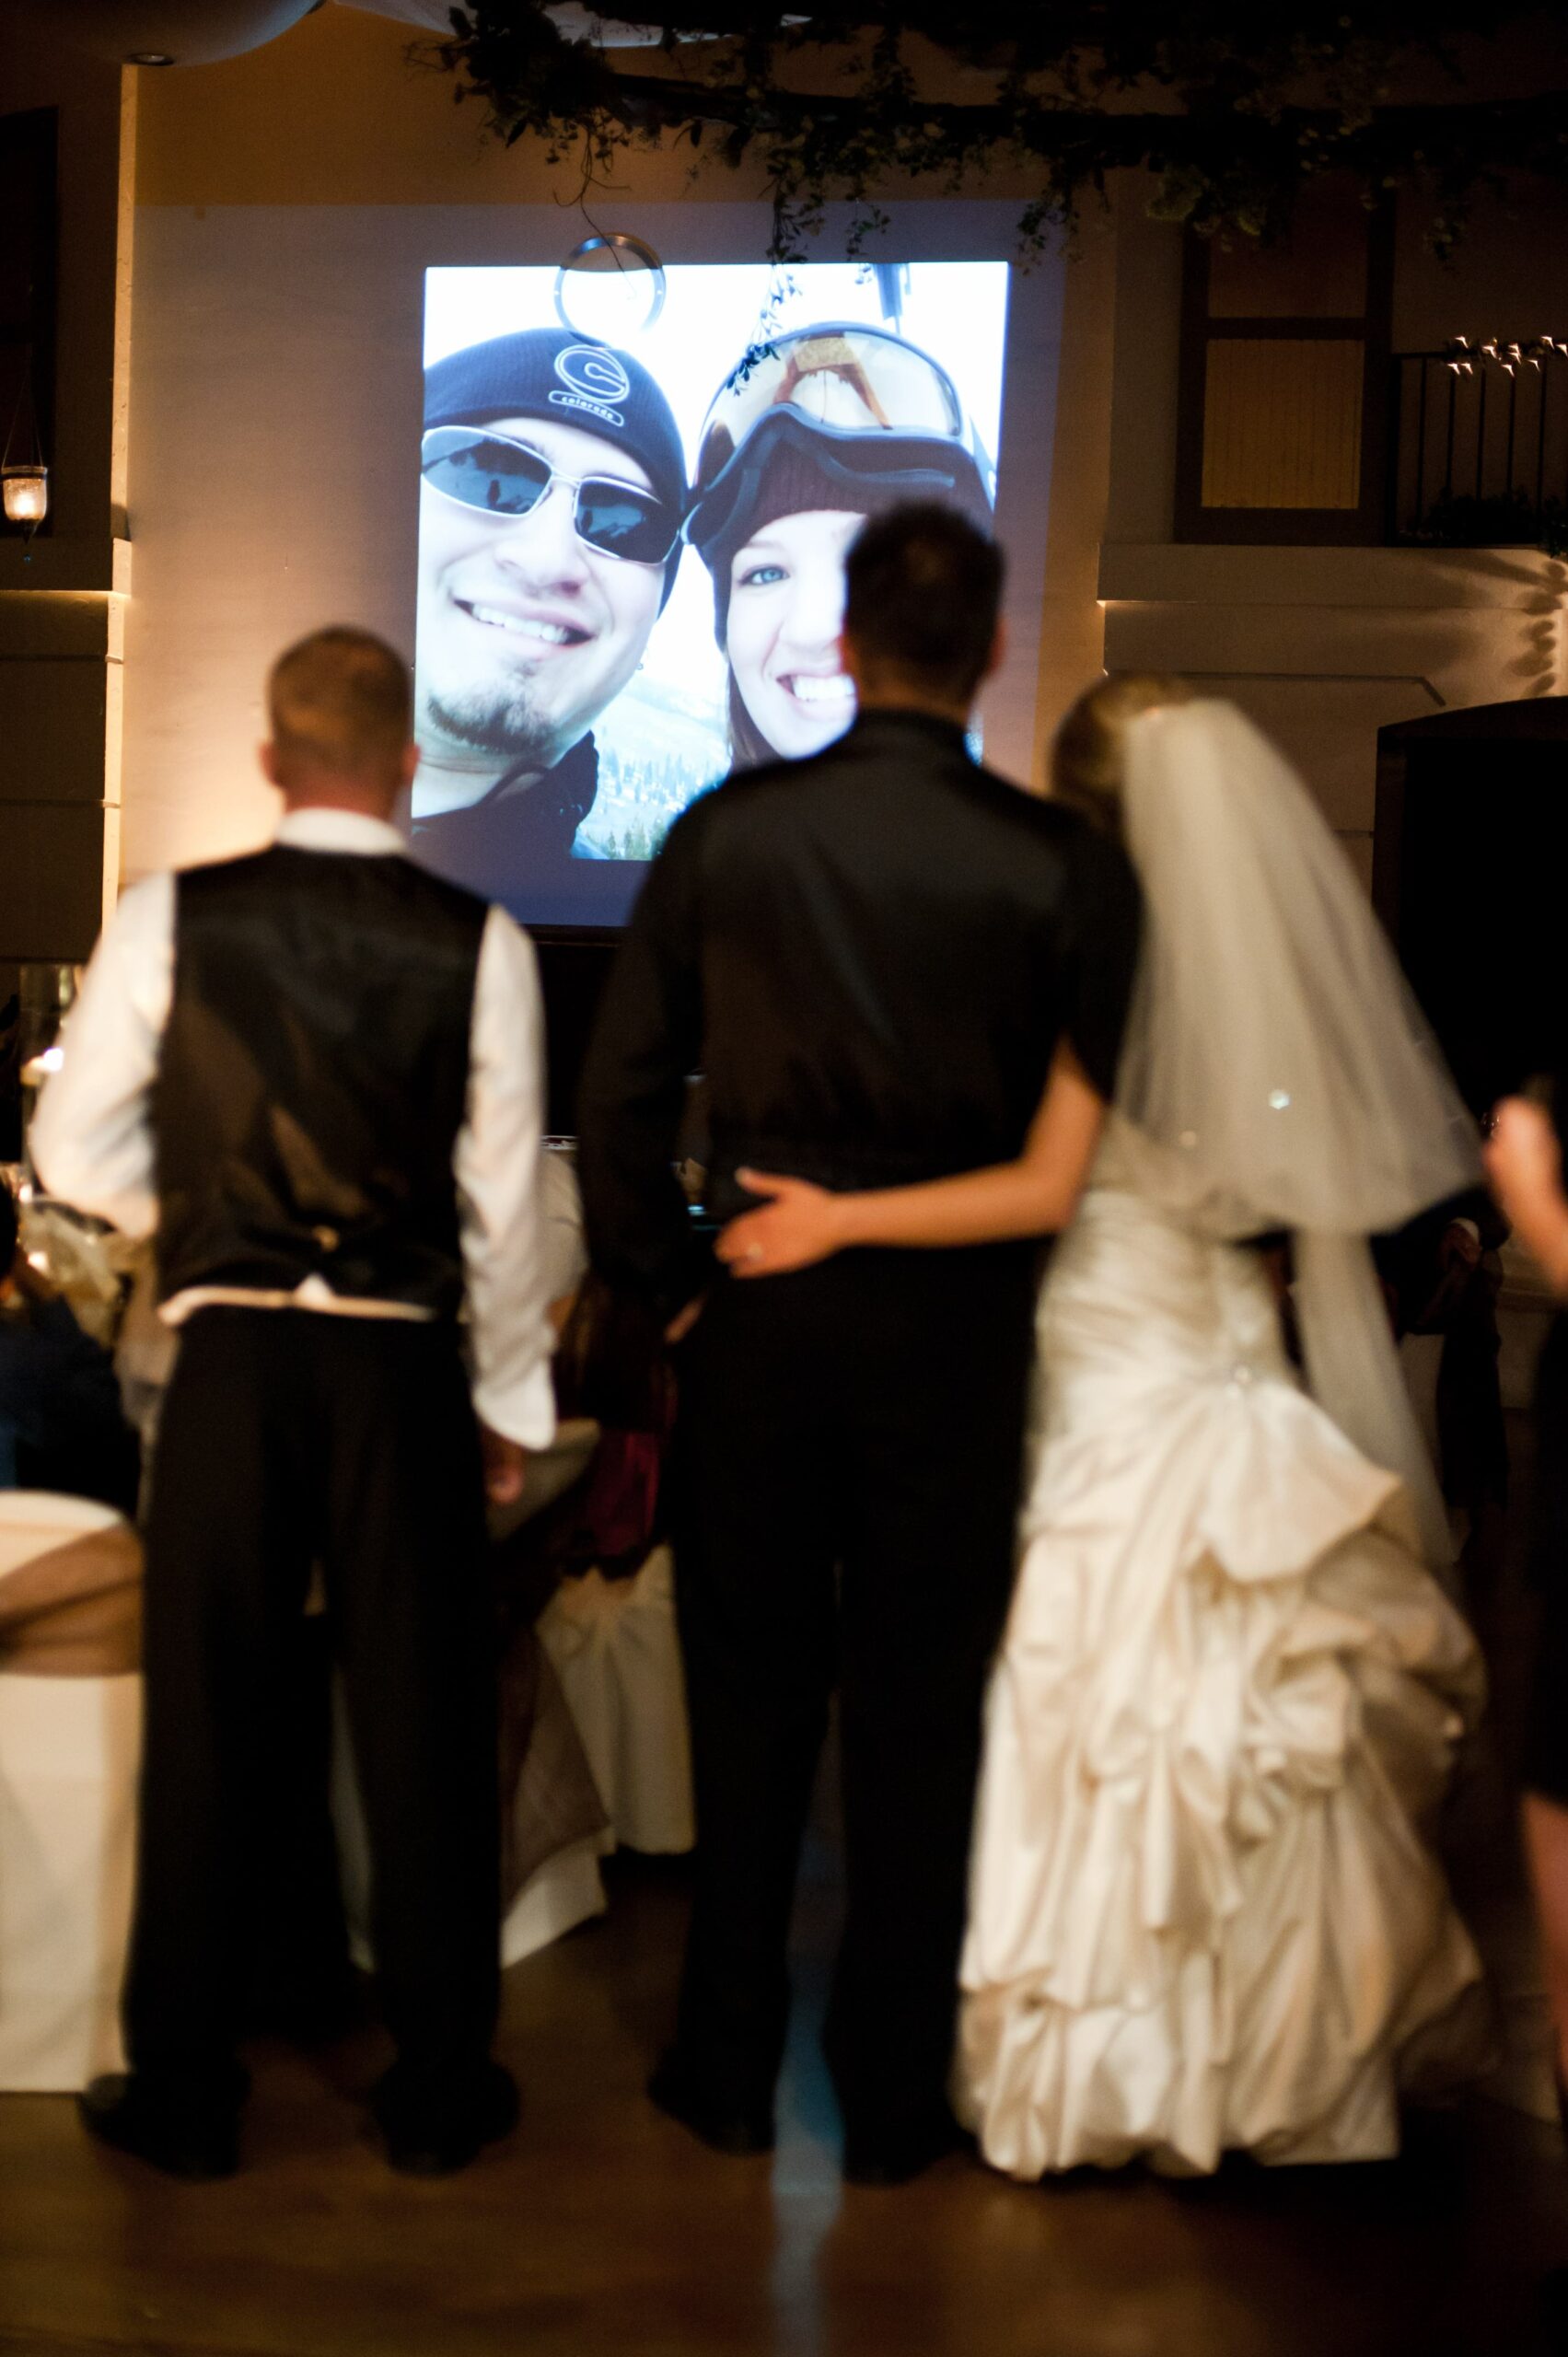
1205	1912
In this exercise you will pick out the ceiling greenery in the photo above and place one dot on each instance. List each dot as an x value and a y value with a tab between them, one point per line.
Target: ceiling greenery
1231	105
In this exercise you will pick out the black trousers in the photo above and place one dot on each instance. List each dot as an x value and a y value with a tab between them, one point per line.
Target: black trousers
290	1438
1545	1763
849	1495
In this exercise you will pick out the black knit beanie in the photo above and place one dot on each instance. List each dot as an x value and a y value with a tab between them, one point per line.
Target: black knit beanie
548	372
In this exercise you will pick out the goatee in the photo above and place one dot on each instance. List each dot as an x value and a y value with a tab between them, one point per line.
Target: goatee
507	725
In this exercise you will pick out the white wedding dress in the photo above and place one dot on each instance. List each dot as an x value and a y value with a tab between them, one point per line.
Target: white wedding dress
1205	1913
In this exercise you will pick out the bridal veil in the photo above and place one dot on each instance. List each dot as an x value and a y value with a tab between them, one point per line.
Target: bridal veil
1277	1072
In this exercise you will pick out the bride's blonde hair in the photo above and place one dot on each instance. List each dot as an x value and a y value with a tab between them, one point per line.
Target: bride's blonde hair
1086	757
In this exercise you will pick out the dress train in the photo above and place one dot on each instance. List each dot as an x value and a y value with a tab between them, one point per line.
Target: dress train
1205	1914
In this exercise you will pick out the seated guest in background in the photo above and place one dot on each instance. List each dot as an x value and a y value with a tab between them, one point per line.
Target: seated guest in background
61	1425
316	1072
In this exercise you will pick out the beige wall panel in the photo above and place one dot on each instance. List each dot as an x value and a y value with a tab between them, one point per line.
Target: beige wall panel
50	881
1216	574
52	732
1329	728
1281	423
1260	625
1358	850
69	623
1146	368
1466	658
333	112
1071	642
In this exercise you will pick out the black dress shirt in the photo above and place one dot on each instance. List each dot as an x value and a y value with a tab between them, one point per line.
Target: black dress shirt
872	956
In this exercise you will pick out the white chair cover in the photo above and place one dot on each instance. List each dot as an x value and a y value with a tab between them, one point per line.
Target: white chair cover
566	1891
69	1750
615	1649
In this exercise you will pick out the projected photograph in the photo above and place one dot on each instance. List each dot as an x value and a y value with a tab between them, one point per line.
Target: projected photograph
631	543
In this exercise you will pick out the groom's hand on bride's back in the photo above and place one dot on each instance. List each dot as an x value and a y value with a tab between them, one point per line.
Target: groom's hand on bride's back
797	1226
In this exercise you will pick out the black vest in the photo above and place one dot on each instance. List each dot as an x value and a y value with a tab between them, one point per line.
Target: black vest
314	1076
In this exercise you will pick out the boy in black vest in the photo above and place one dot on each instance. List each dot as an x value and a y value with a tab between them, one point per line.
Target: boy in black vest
316	1072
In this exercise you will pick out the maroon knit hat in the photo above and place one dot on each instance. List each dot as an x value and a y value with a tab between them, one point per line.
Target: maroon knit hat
791	485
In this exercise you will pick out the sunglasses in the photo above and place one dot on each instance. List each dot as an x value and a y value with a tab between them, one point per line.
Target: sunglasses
498	477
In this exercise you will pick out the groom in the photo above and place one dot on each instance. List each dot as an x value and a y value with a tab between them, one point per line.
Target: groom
873	956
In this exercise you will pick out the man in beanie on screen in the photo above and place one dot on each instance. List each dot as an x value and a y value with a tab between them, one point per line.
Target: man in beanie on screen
552	490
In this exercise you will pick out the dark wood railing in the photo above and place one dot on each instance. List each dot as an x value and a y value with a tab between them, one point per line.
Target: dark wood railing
1478	445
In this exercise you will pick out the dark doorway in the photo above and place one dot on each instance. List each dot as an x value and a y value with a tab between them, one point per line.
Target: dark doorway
1471	858
573	971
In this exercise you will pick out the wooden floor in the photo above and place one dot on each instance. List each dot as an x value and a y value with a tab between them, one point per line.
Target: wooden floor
601	2227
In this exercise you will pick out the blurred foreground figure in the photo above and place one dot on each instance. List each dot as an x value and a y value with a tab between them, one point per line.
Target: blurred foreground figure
876	955
316	1072
1524	1163
1203	1914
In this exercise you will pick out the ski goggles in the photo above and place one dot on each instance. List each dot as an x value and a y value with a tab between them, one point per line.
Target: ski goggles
869	403
496	476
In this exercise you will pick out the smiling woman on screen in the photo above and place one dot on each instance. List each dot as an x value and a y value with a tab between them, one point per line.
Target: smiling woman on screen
830	424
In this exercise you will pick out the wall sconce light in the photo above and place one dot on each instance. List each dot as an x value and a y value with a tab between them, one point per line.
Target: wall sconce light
25	494
24	478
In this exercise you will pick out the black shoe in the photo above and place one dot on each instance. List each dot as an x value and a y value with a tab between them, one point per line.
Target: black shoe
739	2131
896	2156
437	2135
198	2142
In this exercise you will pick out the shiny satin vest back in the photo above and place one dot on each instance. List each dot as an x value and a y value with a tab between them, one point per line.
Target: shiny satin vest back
313	1077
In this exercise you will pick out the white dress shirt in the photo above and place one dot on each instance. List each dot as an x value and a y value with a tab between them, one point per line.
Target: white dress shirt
92	1139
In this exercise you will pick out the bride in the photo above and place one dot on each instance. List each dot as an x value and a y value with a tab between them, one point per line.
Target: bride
1203	1909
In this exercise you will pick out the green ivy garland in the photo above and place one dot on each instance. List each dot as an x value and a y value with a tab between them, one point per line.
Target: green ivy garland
1231	106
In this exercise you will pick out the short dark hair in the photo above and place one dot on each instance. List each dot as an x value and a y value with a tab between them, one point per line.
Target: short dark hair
339	700
922	590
